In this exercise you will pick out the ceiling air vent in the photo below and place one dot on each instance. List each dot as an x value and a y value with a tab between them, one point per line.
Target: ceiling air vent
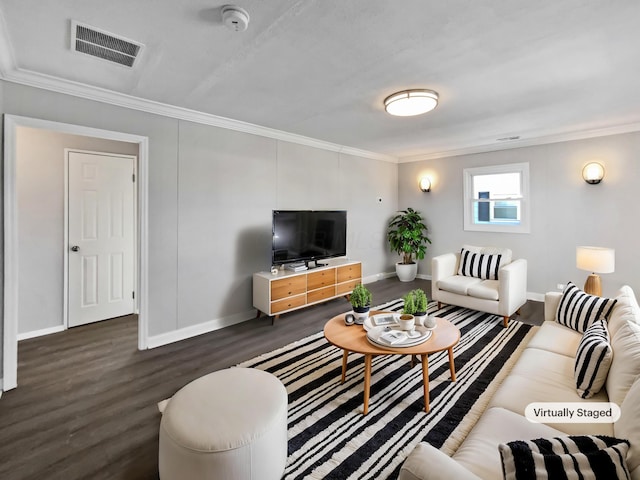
104	45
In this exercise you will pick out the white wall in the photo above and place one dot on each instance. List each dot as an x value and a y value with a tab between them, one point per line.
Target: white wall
40	201
565	211
211	192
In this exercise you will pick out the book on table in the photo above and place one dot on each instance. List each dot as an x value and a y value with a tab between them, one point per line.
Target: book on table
393	337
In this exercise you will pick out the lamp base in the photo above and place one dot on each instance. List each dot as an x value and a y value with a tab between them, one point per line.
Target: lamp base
593	285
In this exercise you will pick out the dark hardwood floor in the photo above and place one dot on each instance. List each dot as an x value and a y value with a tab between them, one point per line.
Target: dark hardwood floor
85	406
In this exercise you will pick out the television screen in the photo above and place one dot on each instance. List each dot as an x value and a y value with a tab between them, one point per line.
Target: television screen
302	235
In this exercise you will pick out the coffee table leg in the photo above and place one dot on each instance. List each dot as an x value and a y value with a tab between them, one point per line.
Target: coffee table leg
452	366
425	380
345	356
367	382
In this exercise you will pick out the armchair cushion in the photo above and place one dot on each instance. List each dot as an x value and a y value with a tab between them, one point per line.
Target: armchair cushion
458	284
479	265
427	461
485	289
578	310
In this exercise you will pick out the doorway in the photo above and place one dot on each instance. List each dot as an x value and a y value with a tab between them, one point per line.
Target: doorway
12	246
100	228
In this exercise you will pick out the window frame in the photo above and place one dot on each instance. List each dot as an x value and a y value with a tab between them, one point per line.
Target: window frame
525	219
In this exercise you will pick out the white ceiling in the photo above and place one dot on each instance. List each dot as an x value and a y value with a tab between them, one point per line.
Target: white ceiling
540	70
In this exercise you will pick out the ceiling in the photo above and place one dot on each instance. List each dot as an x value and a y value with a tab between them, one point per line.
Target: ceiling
540	71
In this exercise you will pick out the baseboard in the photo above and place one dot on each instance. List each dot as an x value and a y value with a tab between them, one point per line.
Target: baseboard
200	329
536	297
40	333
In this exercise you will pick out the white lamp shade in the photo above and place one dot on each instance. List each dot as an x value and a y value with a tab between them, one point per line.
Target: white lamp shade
596	259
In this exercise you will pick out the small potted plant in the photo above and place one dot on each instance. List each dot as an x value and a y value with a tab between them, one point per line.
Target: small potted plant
407	320
421	302
360	299
407	236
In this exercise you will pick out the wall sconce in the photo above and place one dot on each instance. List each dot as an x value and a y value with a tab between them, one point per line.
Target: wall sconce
425	184
593	173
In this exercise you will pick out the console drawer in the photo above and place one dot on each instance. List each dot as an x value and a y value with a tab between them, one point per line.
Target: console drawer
321	294
349	272
346	287
287	287
287	304
320	279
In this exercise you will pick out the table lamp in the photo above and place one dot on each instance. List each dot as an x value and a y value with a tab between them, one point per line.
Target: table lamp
595	260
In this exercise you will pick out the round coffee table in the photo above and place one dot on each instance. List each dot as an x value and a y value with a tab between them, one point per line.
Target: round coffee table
353	338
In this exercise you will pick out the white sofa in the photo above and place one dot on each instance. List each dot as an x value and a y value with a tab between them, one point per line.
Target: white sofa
503	296
545	373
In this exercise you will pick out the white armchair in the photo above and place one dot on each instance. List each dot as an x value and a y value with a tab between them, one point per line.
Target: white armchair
492	282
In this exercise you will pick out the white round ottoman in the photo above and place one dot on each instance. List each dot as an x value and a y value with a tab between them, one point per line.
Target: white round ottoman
227	425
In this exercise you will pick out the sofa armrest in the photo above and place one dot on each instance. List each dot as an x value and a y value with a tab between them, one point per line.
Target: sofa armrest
428	463
512	286
443	266
551	302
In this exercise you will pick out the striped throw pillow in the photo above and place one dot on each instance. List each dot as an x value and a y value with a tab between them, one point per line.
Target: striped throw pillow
578	310
479	265
593	359
596	457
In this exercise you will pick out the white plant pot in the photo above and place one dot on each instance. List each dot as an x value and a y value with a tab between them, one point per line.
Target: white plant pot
420	319
407	322
406	271
361	314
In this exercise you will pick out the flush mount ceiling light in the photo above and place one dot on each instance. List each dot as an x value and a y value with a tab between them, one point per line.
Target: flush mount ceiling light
411	102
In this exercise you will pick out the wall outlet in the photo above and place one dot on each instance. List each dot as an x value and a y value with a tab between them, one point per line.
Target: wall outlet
560	286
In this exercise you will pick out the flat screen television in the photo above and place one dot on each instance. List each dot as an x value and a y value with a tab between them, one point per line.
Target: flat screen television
308	235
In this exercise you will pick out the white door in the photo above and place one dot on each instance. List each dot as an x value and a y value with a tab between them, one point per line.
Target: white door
101	216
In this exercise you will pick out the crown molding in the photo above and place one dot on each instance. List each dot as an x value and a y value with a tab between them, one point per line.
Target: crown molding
10	73
527	142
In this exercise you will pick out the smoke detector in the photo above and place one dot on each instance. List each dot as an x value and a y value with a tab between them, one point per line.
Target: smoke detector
235	18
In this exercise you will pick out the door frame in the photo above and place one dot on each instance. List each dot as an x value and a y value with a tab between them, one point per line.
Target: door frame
10	232
65	286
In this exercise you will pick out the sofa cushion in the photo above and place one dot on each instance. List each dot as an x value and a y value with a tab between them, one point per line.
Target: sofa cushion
593	359
457	284
626	309
625	367
543	376
590	456
578	309
479	265
487	289
479	451
628	425
553	337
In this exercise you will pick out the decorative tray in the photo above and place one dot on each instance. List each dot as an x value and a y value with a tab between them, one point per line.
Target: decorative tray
386	320
392	336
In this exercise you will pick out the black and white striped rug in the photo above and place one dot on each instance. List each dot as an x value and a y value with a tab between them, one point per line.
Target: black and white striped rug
329	438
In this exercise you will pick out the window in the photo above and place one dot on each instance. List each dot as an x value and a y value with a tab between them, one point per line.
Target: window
496	198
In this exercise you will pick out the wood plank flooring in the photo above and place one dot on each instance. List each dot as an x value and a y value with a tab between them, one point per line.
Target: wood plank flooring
85	406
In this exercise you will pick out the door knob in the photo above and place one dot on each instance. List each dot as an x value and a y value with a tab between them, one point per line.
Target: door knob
75	248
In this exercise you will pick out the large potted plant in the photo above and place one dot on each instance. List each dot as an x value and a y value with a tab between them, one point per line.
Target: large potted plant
407	236
360	299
